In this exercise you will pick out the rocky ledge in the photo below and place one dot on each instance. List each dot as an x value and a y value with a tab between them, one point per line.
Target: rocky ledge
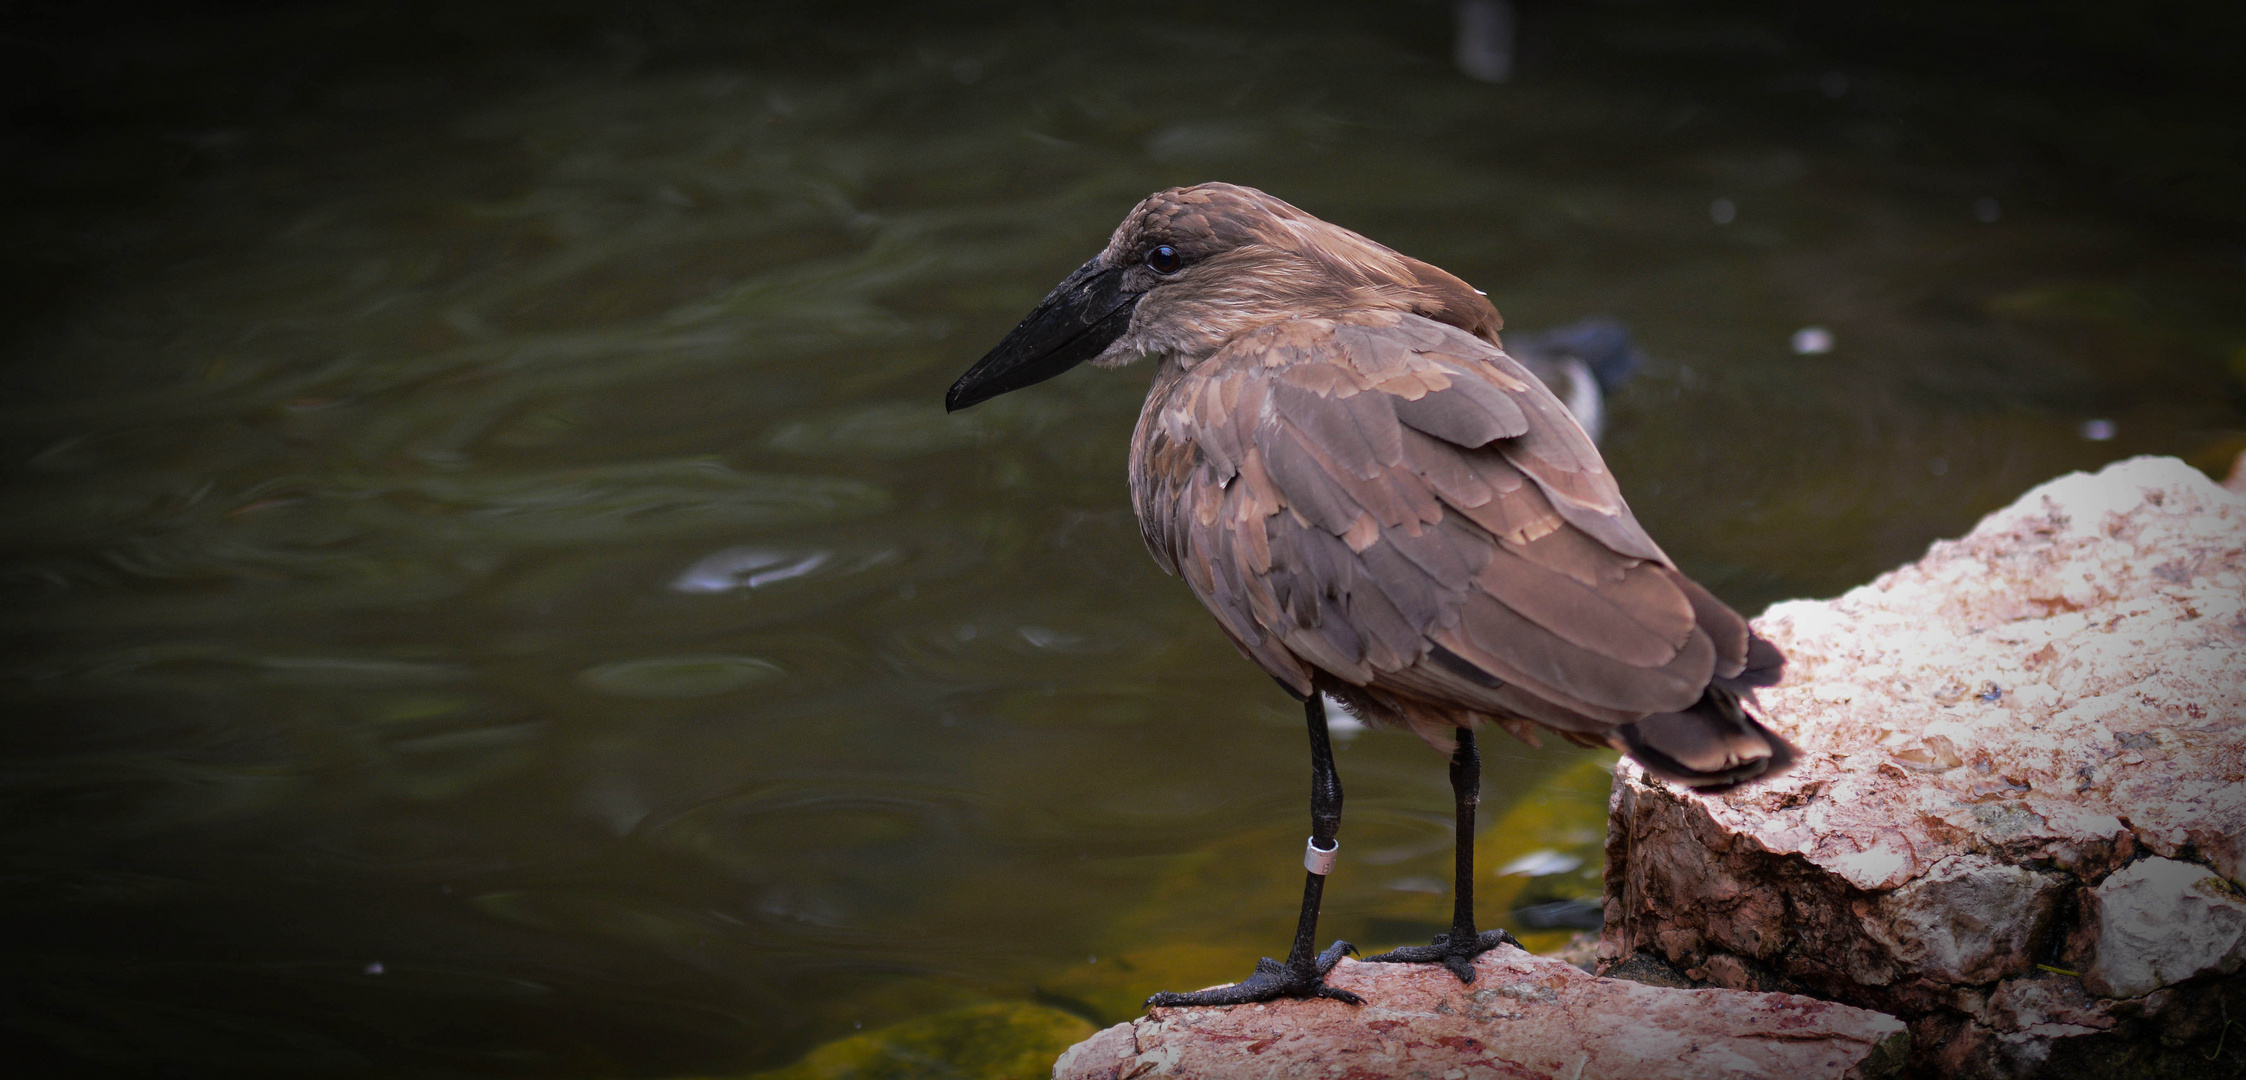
1523	1016
2019	817
2017	829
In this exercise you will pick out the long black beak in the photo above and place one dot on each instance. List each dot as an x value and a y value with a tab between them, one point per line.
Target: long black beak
1077	321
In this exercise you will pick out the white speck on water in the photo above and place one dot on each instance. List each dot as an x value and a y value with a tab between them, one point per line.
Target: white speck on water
374	968
1541	863
2098	430
1723	211
1987	210
1813	341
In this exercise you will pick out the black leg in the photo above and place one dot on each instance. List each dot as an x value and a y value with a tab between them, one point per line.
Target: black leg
1304	973
1466	792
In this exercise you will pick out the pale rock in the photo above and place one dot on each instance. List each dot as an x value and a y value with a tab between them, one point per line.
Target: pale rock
1988	735
2160	922
1971	919
1524	1016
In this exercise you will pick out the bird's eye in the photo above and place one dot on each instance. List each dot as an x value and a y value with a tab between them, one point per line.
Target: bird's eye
1164	259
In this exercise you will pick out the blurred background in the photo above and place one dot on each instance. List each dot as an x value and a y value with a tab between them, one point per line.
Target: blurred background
488	587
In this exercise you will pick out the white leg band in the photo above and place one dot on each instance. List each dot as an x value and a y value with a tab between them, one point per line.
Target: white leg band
1317	860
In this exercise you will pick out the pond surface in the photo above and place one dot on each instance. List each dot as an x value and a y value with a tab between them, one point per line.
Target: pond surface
490	589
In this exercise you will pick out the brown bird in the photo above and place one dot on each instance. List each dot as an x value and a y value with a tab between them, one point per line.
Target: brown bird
1378	504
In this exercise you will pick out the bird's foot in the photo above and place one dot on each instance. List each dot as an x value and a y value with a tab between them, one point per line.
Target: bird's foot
1272	980
1458	957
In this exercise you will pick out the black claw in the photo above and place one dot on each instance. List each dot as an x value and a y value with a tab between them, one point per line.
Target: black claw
1333	955
1272	980
1460	959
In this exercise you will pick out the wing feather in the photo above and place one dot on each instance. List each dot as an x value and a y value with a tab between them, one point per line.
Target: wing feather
1518	651
1468	413
1603	621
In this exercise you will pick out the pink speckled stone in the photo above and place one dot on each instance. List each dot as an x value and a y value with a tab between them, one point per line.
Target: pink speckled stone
1523	1016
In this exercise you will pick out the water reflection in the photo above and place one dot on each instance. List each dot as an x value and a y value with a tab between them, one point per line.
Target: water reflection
678	676
762	567
489	514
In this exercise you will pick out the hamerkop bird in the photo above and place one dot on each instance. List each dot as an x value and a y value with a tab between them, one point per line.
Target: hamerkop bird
1378	504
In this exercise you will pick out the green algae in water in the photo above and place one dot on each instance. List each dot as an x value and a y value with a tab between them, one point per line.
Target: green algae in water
1003	1041
1206	916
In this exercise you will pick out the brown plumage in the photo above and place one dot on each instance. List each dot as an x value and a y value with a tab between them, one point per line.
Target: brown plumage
1377	503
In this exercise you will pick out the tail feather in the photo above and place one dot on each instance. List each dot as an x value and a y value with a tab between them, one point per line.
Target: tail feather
1713	746
1765	665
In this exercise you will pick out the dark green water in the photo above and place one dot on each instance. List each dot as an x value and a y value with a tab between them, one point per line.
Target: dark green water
489	589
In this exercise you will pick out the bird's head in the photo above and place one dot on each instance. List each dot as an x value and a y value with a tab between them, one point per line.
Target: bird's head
1190	268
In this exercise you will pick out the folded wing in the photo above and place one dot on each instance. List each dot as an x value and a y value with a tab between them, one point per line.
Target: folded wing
1398	504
